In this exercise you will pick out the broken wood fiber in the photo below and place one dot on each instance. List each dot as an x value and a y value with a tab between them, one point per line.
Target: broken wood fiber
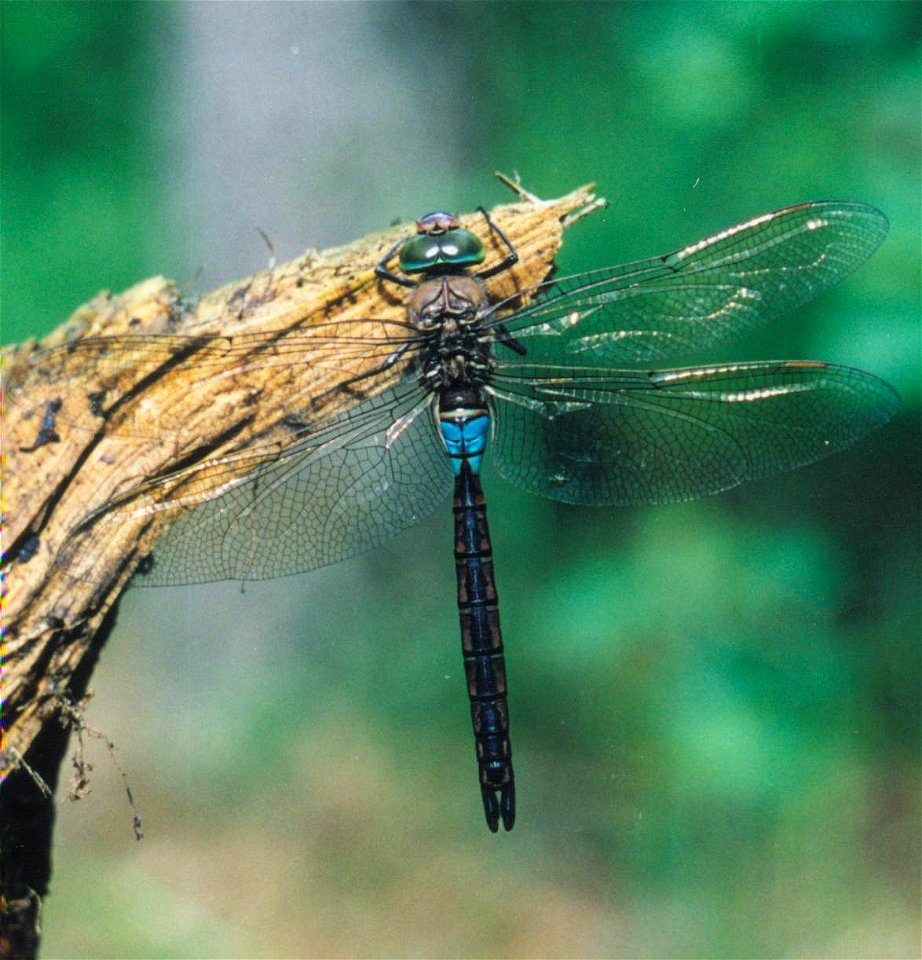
144	391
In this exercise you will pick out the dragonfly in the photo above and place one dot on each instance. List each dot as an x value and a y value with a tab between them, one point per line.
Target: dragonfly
560	387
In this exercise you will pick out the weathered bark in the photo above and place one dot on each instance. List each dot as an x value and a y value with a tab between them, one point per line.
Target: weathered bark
85	426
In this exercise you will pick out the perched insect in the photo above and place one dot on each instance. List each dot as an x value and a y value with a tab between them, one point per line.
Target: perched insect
558	393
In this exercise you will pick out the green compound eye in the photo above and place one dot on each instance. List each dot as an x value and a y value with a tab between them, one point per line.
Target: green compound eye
419	253
462	247
429	251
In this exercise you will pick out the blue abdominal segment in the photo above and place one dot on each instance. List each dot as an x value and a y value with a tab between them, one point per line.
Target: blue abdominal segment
465	440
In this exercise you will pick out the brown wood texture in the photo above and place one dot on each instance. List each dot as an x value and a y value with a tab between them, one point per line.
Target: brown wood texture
84	429
91	422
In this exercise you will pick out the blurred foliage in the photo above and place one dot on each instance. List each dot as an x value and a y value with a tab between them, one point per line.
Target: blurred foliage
715	705
79	153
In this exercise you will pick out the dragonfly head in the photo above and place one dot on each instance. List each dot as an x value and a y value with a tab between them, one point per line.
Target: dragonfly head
440	244
437	222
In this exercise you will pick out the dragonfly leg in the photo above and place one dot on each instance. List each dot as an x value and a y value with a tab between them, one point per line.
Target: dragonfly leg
384	273
504	337
511	258
388	362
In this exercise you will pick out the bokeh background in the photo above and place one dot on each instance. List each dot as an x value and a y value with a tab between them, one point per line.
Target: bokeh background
715	705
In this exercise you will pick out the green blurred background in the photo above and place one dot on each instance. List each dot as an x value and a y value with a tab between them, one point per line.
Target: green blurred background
715	705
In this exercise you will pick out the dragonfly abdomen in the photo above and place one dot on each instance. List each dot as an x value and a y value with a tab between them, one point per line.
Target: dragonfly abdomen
464	426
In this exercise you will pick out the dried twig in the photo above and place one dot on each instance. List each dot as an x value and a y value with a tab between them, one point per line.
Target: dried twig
83	425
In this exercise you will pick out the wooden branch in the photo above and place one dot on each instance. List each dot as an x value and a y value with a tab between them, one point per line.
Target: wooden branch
85	426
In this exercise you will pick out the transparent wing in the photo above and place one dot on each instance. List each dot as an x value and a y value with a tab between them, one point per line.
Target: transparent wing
338	492
660	309
621	437
327	344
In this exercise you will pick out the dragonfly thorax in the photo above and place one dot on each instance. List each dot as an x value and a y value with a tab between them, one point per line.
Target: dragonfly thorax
456	298
447	310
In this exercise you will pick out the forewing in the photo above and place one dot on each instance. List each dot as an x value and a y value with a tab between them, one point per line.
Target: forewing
327	345
663	308
621	437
